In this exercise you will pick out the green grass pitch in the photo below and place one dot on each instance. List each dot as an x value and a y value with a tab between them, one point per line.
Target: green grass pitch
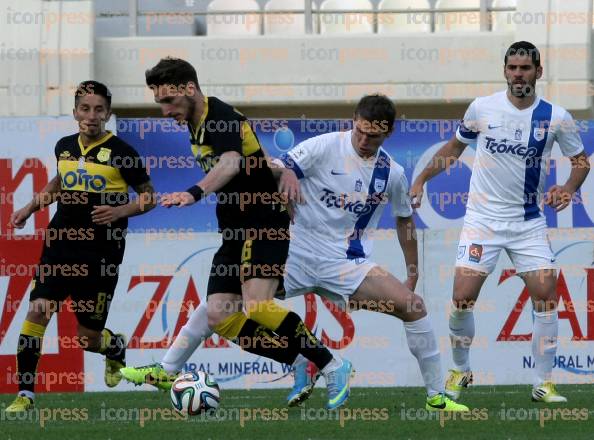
502	412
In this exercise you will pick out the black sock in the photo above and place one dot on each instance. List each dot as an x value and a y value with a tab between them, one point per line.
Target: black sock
28	353
257	339
301	340
111	346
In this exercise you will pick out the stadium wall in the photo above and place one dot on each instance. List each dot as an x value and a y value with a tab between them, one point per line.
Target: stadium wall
168	255
50	46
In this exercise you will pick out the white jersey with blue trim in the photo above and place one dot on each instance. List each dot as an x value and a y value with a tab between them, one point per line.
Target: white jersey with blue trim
344	195
512	148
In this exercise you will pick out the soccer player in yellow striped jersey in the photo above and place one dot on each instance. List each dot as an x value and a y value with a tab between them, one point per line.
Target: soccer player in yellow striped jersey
84	242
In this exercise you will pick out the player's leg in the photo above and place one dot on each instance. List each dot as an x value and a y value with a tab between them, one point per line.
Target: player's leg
227	319
221	313
467	286
92	295
478	251
541	285
225	310
299	279
531	253
161	375
263	264
382	292
109	344
29	349
258	294
191	335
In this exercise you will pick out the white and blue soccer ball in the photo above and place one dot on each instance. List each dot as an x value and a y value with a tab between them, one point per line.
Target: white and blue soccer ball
194	393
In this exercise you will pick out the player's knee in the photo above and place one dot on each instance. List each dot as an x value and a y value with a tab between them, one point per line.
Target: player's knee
418	305
215	317
462	303
415	308
40	311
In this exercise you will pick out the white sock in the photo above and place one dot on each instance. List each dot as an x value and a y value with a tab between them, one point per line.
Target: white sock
26	393
461	335
334	364
422	344
187	341
544	344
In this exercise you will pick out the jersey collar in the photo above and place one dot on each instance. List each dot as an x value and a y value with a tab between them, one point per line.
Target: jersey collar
527	109
198	131
84	150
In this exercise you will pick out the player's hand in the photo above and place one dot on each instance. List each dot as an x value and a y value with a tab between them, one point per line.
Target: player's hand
105	214
416	193
558	197
290	187
18	219
178	199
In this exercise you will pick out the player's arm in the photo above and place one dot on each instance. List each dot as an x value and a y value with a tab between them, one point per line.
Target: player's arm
405	227
442	161
447	155
407	236
146	200
298	163
288	182
559	196
227	167
568	137
46	197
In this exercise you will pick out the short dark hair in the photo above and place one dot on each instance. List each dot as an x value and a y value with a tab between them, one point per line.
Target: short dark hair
92	88
523	48
171	71
376	108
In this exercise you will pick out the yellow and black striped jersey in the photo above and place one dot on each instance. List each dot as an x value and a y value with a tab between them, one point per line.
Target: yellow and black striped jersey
251	198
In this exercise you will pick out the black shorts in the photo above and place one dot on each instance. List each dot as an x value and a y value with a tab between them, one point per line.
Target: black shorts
90	286
237	261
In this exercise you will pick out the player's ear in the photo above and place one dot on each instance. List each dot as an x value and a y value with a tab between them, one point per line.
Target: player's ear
106	120
539	72
191	89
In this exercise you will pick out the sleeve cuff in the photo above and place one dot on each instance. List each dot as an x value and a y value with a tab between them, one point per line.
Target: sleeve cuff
464	138
290	163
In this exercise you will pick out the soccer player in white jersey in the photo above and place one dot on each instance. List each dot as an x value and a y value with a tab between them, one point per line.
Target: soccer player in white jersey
346	179
514	131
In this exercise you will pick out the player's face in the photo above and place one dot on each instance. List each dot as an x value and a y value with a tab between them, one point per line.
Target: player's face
368	136
176	102
91	113
521	75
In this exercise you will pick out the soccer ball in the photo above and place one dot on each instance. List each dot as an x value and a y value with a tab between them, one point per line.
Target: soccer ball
194	393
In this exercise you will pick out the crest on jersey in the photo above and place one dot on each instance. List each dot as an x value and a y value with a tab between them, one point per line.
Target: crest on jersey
358	185
103	155
539	133
379	185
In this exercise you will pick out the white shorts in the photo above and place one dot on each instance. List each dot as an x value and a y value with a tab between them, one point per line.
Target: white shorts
336	279
526	243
